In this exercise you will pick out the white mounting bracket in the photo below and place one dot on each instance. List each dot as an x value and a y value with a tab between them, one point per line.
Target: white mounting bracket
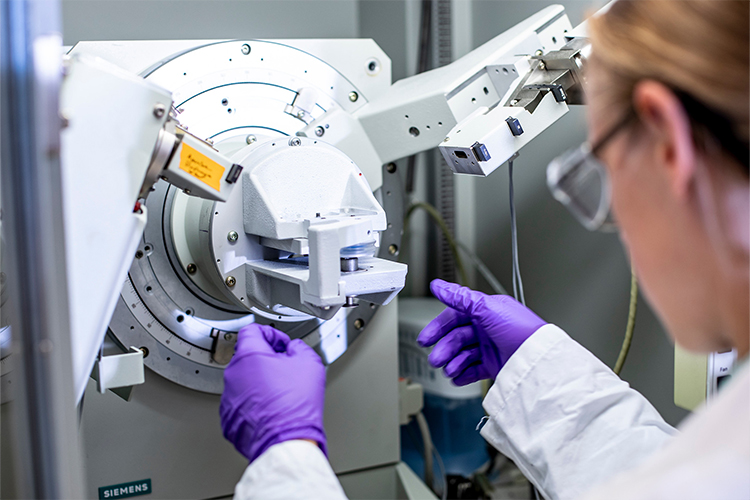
120	370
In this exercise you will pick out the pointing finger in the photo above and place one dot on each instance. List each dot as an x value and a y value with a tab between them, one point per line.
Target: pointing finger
458	297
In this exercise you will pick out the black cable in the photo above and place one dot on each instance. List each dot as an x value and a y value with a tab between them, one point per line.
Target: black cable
425	34
80	410
410	167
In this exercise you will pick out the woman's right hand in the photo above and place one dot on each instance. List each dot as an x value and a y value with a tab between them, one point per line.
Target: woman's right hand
477	333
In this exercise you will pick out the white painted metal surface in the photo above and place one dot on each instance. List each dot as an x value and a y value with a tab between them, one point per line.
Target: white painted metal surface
288	184
120	370
489	128
267	77
103	166
302	193
233	94
416	113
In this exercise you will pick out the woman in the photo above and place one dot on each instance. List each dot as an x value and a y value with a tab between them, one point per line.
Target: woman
667	84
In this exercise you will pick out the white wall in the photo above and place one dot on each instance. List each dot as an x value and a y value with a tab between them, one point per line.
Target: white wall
199	19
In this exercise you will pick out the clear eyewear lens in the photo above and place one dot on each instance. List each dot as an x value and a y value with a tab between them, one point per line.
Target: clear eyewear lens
580	182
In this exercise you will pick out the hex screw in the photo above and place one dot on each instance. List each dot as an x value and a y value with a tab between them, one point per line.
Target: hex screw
392	249
319	131
246	49
391	168
227	336
359	323
250	139
295	141
353	96
230	281
300	114
191	268
159	110
233	236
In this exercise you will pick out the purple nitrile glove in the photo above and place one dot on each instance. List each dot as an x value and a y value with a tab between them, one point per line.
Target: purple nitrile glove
274	390
477	333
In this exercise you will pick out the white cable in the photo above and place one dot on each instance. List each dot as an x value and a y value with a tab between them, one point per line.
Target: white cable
441	466
429	450
517	291
517	281
514	274
424	429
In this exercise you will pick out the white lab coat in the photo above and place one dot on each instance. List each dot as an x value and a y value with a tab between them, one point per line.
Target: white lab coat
574	428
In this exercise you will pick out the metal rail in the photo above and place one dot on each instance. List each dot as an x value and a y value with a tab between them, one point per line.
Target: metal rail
46	458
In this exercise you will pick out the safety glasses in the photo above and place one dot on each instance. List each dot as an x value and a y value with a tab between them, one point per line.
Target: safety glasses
580	181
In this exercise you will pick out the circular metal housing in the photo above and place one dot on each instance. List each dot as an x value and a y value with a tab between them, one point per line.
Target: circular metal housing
236	94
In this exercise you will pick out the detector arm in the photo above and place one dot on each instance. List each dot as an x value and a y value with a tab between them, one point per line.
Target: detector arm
479	110
491	136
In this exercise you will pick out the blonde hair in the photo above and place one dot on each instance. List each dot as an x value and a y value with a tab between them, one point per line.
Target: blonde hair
699	47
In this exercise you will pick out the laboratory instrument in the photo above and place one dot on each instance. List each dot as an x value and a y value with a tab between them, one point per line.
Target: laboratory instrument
255	181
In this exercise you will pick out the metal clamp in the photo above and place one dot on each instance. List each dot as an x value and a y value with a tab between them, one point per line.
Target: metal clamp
557	90
222	348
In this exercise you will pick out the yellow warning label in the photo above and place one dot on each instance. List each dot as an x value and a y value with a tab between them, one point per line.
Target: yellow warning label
201	167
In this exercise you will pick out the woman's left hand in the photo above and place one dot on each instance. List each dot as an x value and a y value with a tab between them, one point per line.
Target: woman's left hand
476	335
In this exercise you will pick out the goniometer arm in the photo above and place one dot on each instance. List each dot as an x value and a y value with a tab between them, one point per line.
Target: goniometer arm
528	74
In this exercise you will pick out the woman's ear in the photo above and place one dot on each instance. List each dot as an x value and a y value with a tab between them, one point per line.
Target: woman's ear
668	127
